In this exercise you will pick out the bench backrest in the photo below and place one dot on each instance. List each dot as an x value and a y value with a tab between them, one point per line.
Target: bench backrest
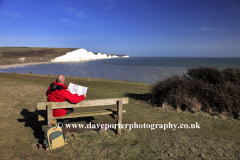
85	103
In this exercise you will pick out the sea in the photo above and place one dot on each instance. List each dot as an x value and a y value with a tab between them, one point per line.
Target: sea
134	69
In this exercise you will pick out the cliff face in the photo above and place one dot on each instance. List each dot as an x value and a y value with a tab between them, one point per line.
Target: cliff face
82	55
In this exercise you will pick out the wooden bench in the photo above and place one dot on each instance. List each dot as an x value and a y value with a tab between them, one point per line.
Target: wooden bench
115	113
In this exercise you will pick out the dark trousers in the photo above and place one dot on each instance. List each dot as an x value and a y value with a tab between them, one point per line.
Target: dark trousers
67	120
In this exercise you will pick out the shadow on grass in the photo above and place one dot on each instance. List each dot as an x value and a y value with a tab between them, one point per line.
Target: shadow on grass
136	96
31	120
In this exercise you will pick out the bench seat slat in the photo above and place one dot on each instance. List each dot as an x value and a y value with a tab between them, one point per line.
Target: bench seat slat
83	114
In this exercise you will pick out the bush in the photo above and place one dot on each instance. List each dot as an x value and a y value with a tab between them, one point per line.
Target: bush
232	75
207	75
206	89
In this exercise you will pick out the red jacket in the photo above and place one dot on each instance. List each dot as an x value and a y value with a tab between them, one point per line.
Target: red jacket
57	93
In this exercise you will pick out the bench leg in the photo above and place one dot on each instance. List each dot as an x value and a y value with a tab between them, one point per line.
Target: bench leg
49	115
119	121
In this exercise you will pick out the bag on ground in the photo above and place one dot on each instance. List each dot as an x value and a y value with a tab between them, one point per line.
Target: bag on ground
54	138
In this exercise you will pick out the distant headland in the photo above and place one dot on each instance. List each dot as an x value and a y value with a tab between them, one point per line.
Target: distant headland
22	55
84	55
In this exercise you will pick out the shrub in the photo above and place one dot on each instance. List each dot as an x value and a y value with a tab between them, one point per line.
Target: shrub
232	75
206	89
208	75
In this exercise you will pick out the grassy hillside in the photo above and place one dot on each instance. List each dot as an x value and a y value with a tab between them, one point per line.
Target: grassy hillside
217	138
11	55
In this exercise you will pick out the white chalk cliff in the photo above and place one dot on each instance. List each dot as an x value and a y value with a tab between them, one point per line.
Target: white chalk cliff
84	55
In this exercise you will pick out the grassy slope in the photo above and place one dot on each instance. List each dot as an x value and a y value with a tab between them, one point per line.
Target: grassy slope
11	55
217	138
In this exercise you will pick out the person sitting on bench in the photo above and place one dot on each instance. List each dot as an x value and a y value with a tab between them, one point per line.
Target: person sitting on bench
57	92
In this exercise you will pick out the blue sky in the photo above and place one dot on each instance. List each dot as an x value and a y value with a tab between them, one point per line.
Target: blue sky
182	28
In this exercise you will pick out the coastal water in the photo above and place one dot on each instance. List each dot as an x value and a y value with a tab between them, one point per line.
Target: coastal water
137	69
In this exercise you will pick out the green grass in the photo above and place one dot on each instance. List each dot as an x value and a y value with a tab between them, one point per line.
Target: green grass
218	137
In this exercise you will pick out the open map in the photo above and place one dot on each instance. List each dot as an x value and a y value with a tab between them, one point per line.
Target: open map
77	89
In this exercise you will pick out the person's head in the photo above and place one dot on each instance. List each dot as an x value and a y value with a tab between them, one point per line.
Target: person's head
60	79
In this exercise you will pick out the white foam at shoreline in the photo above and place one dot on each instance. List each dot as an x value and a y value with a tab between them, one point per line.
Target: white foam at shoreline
21	65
